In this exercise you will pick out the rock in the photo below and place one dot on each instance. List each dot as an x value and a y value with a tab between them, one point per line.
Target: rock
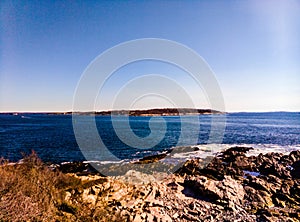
190	217
294	156
190	167
175	216
193	212
217	169
258	183
89	198
68	196
150	217
273	168
231	154
151	159
137	218
79	168
258	198
274	183
232	187
166	218
227	190
295	172
286	186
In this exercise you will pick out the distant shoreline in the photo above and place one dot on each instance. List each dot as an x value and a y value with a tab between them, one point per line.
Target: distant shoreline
202	111
146	112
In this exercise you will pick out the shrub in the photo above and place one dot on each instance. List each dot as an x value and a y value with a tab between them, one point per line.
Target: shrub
31	191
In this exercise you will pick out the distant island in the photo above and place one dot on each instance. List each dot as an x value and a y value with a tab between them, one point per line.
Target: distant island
153	112
142	112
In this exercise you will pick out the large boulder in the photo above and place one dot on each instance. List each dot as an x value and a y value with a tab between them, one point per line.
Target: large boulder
228	191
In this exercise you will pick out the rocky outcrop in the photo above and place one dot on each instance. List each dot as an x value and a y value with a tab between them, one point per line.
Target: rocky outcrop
227	192
232	187
270	182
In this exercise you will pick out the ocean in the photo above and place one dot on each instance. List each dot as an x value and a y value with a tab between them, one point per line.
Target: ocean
52	136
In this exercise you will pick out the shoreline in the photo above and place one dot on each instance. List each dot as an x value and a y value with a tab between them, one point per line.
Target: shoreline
136	112
232	186
108	111
183	153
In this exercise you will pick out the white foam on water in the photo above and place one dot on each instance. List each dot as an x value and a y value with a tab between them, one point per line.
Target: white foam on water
25	117
204	151
271	148
213	149
64	163
104	162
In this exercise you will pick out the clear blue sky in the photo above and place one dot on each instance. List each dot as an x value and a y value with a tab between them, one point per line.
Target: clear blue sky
253	47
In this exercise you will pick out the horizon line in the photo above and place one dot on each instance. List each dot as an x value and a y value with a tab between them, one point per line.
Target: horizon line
145	109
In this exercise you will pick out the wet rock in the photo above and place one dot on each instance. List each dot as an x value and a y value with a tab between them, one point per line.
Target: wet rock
231	154
274	168
230	162
79	168
295	169
151	159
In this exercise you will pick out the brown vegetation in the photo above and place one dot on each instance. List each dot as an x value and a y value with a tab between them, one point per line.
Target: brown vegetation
30	191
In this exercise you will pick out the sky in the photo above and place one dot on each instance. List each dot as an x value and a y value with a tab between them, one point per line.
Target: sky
252	47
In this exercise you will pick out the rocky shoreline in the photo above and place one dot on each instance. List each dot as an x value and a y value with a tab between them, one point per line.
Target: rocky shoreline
232	187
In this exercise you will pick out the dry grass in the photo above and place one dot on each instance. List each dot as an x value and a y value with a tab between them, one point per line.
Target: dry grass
30	191
27	191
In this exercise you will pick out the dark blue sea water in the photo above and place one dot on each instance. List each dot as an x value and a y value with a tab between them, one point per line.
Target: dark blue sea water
52	136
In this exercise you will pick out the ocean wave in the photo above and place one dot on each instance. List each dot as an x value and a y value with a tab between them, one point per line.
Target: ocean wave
206	150
182	153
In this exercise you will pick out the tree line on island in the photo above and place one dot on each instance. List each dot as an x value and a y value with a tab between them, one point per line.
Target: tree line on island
154	112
